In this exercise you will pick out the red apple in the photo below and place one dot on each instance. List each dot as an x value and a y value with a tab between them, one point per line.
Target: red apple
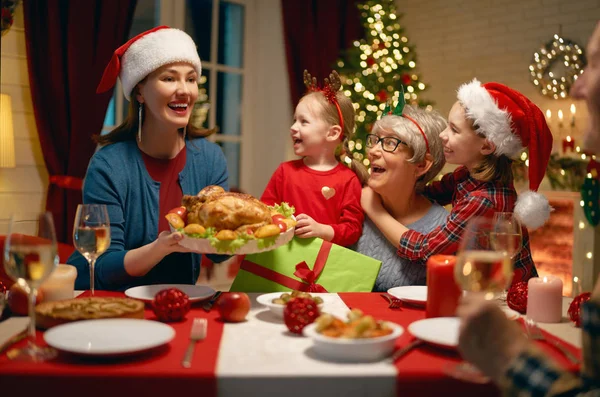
17	300
181	211
233	306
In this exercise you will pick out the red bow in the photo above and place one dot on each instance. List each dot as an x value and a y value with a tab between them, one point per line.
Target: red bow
593	168
304	273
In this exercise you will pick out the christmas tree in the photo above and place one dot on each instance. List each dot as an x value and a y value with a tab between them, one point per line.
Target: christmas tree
374	69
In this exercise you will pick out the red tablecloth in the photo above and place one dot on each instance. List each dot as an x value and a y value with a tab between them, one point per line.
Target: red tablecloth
424	365
152	373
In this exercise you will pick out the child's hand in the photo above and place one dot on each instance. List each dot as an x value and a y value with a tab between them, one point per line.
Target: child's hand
307	227
370	201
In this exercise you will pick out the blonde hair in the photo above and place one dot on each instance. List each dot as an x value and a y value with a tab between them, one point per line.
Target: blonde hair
129	128
330	114
432	124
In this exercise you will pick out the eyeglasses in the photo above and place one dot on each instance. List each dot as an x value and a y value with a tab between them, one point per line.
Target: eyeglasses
388	143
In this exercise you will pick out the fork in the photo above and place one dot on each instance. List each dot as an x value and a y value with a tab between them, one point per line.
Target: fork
197	333
394	303
534	332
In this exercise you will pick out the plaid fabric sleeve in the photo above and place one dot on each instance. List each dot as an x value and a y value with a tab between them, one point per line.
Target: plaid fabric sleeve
441	191
533	374
444	239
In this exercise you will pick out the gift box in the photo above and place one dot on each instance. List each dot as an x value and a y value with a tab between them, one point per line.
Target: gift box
311	265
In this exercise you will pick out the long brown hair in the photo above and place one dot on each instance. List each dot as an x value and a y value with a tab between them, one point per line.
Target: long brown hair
128	129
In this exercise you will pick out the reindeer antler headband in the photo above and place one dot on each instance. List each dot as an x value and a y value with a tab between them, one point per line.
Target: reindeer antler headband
397	111
330	88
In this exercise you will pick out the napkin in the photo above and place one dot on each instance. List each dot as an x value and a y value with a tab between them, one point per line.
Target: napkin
10	328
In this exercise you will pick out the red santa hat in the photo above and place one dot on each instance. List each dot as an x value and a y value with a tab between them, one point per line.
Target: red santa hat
512	122
145	53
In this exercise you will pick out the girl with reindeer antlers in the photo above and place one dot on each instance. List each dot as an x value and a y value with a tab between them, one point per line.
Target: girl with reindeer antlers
324	192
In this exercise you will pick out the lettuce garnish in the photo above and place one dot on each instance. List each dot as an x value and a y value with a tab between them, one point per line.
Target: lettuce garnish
284	209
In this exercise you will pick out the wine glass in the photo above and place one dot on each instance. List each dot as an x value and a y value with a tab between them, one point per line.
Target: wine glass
30	255
91	234
508	237
483	269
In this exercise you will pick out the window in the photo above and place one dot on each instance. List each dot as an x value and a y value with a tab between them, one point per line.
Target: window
217	27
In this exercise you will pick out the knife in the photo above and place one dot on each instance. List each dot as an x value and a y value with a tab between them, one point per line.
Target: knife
208	305
401	352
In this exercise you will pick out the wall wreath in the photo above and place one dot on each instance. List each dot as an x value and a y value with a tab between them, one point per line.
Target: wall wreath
556	66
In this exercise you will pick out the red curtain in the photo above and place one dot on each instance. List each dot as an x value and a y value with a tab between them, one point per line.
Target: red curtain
316	32
69	42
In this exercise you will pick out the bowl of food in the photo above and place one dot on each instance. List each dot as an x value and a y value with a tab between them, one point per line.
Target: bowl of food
276	301
361	338
215	221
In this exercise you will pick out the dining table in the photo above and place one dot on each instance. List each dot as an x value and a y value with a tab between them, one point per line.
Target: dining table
261	357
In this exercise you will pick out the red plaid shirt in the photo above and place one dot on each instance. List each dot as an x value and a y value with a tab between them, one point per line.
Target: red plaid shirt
469	198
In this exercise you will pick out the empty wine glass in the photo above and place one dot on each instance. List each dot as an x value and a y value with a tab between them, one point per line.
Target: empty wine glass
30	255
507	237
91	234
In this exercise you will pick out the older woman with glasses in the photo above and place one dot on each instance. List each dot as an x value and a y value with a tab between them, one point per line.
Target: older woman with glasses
405	152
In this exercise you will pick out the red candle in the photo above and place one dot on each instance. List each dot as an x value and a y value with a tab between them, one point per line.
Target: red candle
442	291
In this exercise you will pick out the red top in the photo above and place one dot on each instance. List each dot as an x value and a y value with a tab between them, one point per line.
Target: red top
166	172
329	197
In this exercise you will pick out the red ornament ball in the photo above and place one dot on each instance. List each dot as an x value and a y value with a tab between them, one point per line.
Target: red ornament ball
516	298
406	79
370	61
3	288
382	96
170	305
574	311
299	312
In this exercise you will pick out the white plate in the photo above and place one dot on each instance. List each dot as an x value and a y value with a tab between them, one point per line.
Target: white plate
107	337
510	313
277	309
415	294
202	245
439	331
353	350
147	292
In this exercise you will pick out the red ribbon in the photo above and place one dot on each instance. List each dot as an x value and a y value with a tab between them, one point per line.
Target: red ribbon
303	272
67	182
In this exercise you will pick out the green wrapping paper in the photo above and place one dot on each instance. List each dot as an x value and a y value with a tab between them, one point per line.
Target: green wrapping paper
343	270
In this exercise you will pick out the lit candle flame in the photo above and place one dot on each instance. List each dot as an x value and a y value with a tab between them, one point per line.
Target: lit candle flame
545	279
560	114
573	109
568	138
548	114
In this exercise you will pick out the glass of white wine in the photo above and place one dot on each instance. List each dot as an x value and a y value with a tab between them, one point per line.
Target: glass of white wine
508	237
483	269
30	255
91	234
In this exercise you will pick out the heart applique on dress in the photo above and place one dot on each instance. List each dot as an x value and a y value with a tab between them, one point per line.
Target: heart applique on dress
328	192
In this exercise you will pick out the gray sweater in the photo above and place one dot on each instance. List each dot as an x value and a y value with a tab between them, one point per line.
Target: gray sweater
397	271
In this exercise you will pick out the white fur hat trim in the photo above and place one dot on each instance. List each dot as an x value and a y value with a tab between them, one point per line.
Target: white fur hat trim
532	209
491	121
154	50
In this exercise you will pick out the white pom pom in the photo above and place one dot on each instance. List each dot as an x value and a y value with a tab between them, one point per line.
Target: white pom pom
532	209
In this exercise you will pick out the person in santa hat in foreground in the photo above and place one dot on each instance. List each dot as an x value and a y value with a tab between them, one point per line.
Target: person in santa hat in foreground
498	346
488	125
149	162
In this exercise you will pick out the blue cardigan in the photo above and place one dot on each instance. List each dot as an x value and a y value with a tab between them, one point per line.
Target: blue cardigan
117	177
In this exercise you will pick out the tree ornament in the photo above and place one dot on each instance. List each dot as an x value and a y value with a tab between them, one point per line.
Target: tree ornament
370	61
406	79
3	288
556	66
574	311
382	96
8	15
516	298
170	305
299	312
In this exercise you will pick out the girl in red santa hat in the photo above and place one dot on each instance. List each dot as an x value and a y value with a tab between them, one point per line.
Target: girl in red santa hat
489	124
149	162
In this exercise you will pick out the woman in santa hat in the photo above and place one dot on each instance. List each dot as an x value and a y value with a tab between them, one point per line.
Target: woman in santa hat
489	124
149	162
